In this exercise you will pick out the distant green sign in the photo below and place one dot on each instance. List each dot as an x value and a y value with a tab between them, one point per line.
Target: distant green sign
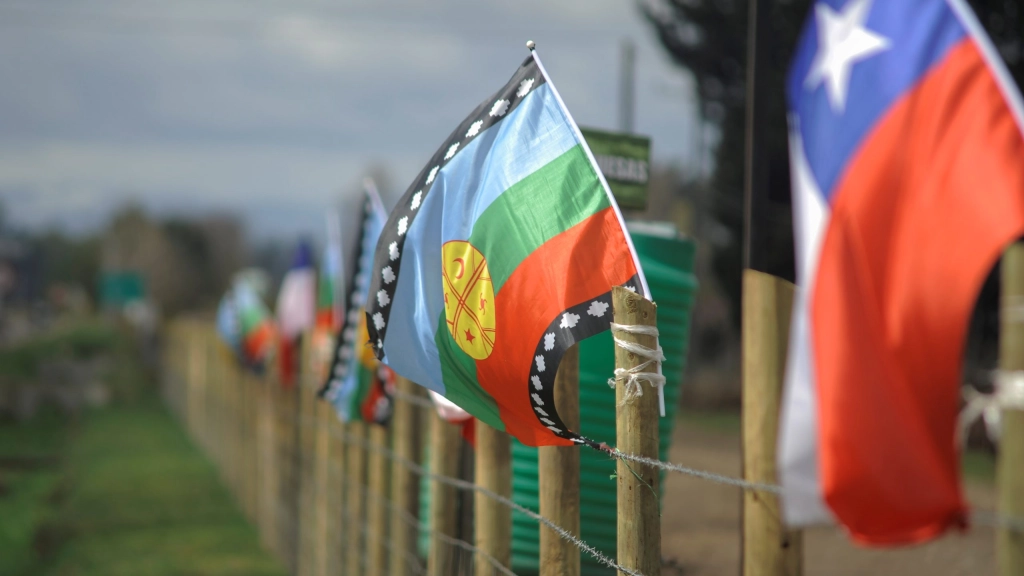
120	288
623	159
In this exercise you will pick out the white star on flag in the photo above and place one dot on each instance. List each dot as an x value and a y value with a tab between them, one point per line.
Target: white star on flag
378	321
403	225
383	298
474	128
388	275
540	363
842	42
393	251
536	382
416	199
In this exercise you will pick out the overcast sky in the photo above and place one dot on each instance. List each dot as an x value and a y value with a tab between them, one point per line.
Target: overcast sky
275	110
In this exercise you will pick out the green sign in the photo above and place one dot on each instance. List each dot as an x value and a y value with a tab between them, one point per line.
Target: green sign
623	159
120	288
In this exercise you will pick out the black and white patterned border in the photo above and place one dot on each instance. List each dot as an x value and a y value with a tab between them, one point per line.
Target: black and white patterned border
345	342
572	325
390	247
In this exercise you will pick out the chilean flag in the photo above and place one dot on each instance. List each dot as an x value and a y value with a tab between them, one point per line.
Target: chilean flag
908	182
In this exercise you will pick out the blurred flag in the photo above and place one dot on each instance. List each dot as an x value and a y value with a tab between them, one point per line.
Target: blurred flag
907	151
330	300
452	414
228	326
355	385
255	323
500	256
296	309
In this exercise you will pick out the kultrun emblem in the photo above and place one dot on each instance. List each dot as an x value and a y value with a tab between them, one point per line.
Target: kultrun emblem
468	298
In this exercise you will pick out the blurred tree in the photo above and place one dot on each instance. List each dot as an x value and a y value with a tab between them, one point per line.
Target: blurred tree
67	260
186	263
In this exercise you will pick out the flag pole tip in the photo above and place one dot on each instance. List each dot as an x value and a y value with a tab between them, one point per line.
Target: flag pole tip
531	45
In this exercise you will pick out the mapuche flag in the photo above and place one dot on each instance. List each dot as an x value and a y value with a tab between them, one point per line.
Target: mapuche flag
356	385
907	149
500	256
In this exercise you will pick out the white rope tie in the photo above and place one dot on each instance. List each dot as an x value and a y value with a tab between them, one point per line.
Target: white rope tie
1008	394
634	375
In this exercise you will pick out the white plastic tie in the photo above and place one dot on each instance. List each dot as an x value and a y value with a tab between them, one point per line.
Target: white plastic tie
633	376
1008	394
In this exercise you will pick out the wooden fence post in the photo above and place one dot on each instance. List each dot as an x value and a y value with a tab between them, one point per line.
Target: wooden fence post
404	483
322	507
636	432
338	528
492	520
445	446
377	515
356	464
268	464
308	430
768	548
559	476
1010	467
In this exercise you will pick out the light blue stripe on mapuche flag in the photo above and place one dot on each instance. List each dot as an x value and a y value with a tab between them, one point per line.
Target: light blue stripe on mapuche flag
534	133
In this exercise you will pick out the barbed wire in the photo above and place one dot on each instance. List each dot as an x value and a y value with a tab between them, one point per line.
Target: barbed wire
471	487
696	473
660	464
980	517
985	518
388	504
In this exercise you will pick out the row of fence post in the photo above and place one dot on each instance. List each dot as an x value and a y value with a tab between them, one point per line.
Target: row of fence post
333	498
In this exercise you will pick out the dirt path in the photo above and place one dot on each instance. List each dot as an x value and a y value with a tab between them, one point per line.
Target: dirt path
700	525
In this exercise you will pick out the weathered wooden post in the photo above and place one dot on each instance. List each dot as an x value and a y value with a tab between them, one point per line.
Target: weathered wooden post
404	483
558	476
356	478
492	520
1010	467
636	432
768	548
377	514
338	528
445	445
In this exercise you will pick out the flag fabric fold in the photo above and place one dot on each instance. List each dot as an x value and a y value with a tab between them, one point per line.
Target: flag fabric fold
356	384
906	151
500	256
